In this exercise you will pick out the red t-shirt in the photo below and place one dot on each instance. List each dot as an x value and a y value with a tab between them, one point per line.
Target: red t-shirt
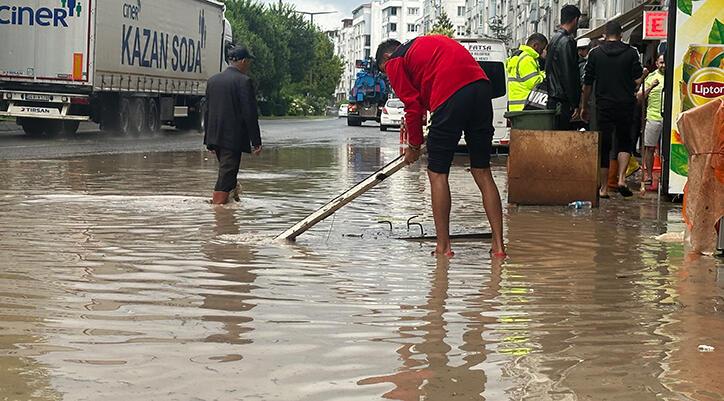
425	72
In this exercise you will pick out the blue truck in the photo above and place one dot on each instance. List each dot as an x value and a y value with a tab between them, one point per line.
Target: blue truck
368	95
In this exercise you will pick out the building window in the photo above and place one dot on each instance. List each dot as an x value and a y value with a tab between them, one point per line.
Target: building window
412	28
461	11
367	40
392	27
413	11
393	11
461	30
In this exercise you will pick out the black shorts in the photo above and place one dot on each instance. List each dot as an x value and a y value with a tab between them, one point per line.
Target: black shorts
229	163
470	109
614	122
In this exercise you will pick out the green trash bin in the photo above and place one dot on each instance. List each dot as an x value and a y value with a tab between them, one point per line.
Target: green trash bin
532	119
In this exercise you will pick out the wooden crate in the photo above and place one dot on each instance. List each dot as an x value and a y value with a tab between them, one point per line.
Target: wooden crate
553	167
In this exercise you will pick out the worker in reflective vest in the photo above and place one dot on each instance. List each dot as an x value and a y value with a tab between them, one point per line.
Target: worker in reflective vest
524	71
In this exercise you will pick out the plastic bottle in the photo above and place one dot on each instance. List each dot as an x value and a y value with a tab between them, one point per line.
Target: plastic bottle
580	205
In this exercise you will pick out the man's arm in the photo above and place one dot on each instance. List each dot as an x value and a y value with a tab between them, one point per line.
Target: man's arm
410	96
637	70
250	113
589	77
535	75
585	99
569	69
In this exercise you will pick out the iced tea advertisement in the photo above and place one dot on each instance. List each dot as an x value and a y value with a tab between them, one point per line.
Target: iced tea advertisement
698	73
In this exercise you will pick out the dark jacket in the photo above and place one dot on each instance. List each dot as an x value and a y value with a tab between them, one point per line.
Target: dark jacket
232	120
564	81
614	67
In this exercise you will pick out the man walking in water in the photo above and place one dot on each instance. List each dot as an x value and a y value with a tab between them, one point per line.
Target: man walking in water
232	120
614	67
435	73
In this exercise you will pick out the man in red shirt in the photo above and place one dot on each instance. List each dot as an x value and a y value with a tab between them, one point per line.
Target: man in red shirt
436	73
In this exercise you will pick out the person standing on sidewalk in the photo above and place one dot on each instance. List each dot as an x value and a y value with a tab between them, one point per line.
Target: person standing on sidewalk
436	73
564	81
524	72
616	70
653	93
232	120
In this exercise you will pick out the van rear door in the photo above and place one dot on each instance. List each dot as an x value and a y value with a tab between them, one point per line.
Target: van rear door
491	54
46	41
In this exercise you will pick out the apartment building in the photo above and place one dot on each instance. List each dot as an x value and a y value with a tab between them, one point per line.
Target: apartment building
456	10
401	19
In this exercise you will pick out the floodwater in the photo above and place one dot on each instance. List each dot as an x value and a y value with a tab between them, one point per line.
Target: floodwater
119	282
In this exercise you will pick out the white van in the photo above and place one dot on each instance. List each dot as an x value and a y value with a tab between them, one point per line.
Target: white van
491	54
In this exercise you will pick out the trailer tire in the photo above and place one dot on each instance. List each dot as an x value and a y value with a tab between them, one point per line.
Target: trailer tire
32	127
52	128
124	117
354	122
153	118
383	128
70	127
138	116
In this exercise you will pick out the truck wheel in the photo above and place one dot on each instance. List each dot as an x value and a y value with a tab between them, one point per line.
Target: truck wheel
53	127
153	119
354	122
124	117
138	116
70	127
32	126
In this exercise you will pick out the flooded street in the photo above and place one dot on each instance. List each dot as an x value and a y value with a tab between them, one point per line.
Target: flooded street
120	282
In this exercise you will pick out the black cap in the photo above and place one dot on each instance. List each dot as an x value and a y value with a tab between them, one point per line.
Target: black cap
240	53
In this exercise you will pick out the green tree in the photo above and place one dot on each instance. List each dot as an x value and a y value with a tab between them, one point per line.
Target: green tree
443	25
295	62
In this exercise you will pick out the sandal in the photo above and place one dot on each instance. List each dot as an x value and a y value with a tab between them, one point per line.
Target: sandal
607	196
450	254
624	191
498	255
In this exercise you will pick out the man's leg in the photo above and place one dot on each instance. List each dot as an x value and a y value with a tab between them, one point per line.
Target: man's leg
441	205
625	144
606	136
479	138
648	163
229	162
492	204
623	159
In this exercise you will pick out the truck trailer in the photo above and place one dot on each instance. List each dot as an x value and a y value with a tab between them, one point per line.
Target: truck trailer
128	65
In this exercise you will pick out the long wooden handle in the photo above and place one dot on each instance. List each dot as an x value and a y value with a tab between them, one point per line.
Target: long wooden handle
348	196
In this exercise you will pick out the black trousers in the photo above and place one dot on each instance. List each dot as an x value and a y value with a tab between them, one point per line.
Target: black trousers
614	123
229	162
563	119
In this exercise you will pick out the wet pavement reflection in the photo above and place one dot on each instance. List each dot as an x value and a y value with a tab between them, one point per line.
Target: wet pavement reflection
119	282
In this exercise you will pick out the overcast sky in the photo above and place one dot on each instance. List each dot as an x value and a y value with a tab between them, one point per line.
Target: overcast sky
330	21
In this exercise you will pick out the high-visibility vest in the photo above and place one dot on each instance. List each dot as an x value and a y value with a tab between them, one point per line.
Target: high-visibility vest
523	75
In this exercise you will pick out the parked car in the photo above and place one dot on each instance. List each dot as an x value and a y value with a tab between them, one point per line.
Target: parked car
392	114
342	110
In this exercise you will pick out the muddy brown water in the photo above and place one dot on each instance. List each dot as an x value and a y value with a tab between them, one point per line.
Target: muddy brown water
118	282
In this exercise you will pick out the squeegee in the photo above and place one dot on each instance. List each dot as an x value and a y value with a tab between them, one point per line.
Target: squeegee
340	201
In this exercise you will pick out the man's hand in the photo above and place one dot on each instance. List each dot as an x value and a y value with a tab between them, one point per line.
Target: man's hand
256	151
585	114
655	83
412	153
576	114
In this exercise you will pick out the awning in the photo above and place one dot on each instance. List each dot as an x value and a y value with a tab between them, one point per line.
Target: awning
629	21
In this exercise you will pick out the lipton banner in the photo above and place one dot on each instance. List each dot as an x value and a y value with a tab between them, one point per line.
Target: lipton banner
698	73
